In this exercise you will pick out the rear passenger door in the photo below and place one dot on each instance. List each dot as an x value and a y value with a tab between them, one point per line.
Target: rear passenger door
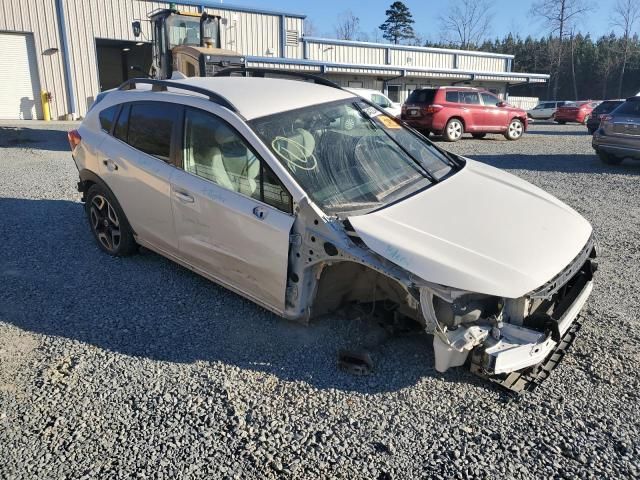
473	111
232	215
137	166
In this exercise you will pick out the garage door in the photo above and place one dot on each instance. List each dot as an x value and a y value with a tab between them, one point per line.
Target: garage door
18	69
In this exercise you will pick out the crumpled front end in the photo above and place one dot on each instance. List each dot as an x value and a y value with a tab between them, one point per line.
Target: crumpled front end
514	342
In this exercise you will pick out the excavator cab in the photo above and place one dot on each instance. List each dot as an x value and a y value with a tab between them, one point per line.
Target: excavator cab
187	44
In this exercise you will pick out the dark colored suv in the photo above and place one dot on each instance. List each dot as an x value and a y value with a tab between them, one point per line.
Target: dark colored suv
619	134
605	107
452	111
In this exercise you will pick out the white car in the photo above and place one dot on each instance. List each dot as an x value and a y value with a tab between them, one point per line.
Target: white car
255	184
380	99
545	110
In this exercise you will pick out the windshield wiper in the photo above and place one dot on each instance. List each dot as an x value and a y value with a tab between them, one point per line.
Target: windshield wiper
428	174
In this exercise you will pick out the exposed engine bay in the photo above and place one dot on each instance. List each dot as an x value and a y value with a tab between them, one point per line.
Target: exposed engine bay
513	342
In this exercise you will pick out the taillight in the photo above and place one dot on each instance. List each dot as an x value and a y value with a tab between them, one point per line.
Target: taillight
74	139
432	108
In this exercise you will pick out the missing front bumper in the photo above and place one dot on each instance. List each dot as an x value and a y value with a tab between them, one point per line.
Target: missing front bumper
528	379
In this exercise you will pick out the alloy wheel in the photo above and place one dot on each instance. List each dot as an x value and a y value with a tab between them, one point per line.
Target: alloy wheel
515	129
105	223
454	130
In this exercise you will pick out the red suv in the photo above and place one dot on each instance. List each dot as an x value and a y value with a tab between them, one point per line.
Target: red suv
578	112
452	111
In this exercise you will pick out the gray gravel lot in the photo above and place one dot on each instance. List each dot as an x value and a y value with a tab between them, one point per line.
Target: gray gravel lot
136	367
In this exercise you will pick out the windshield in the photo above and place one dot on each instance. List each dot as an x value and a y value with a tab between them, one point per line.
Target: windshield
349	156
185	30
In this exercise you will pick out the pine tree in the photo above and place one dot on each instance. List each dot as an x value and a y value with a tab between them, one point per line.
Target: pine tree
398	25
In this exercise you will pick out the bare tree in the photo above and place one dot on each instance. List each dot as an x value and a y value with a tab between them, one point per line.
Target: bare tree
625	15
310	29
467	24
561	16
348	26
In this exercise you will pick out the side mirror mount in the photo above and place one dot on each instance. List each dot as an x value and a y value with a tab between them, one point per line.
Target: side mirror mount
137	28
502	104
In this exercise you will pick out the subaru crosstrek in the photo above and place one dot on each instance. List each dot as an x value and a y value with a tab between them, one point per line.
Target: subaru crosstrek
256	184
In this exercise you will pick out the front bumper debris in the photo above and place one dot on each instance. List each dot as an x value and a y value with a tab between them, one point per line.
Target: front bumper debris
527	380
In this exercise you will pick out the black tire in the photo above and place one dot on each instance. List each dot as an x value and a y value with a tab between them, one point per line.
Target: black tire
592	130
586	119
561	122
108	223
515	130
478	135
454	130
610	159
426	133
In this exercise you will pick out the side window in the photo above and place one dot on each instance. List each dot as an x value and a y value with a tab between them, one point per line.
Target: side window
452	97
380	100
470	98
122	125
107	117
274	193
489	99
214	151
151	128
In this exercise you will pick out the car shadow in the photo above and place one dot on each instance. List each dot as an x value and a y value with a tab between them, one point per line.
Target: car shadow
578	133
56	282
34	138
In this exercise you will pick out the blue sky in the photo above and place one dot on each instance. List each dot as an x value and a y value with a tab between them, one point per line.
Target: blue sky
508	15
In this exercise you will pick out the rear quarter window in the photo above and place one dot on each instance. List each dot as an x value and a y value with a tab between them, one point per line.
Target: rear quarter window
107	117
452	97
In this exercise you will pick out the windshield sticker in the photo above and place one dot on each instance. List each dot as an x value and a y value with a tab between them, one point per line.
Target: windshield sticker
388	121
371	112
295	154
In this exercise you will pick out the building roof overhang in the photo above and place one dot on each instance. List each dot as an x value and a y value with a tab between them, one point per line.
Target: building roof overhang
398	71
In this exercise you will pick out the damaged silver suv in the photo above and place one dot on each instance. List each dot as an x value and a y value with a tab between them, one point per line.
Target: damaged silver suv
306	199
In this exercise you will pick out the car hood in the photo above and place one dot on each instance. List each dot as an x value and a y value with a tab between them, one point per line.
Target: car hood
481	230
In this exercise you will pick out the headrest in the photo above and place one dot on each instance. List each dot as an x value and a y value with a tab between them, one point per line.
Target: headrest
223	134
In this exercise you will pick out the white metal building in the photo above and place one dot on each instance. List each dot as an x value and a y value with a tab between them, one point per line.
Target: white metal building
76	48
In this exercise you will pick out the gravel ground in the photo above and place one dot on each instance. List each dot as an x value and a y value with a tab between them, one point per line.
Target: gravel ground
122	368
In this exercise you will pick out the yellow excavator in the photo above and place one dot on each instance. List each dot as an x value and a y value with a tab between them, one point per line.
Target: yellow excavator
187	44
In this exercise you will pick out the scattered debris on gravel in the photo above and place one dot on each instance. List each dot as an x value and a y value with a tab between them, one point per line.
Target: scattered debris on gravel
138	368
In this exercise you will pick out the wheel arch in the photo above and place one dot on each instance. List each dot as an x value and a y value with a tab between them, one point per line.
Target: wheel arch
88	178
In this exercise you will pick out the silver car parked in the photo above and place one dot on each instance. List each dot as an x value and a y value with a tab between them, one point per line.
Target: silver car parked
261	185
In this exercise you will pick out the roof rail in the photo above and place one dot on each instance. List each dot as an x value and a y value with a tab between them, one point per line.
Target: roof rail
162	85
226	72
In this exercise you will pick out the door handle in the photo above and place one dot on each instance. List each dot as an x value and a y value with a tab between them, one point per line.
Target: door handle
260	212
110	164
184	197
